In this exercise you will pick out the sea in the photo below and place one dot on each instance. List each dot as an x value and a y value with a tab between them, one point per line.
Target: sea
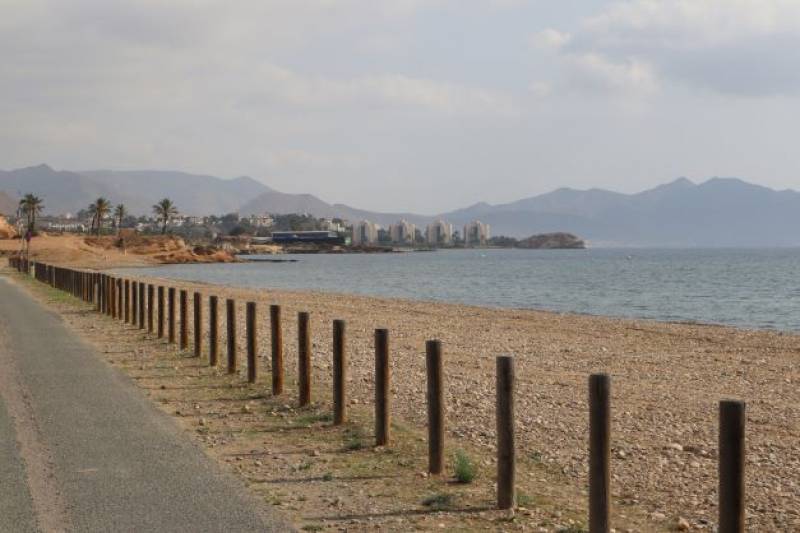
747	288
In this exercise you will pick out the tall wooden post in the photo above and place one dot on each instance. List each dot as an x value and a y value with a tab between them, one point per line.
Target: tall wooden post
150	307
339	374
277	349
114	294
304	358
213	330
252	347
134	301
127	294
433	363
171	315
198	325
141	305
731	466
382	387
506	451
599	452
184	313
230	309
161	312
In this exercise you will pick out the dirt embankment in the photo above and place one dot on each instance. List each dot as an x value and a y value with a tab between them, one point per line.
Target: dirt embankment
128	249
7	231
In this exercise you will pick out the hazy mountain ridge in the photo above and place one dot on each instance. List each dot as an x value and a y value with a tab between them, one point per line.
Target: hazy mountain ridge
717	212
8	205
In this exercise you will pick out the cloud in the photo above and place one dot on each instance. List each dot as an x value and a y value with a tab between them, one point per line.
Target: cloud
744	47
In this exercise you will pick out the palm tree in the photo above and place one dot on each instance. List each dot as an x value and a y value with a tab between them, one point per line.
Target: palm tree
31	205
165	210
99	209
119	214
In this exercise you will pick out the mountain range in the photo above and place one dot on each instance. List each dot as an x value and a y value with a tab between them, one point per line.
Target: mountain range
717	212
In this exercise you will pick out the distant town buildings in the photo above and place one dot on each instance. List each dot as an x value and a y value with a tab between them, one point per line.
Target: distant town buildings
476	233
328	224
403	232
261	221
365	232
439	233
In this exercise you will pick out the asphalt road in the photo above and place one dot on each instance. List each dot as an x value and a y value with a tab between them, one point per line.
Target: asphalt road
81	449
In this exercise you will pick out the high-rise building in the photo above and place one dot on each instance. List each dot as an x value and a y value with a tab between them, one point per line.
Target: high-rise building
365	232
476	233
403	232
439	233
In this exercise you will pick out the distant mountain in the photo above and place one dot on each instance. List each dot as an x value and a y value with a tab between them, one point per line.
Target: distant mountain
8	205
718	212
68	192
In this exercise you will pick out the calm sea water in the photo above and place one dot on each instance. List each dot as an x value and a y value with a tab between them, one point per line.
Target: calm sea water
754	288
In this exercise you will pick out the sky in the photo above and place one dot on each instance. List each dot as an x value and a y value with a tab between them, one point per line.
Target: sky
412	105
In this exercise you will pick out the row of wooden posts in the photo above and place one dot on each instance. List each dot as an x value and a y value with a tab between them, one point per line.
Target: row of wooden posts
127	300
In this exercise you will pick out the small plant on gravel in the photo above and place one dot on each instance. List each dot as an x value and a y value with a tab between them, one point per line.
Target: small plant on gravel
312	527
354	439
439	501
524	500
572	529
465	470
327	476
536	456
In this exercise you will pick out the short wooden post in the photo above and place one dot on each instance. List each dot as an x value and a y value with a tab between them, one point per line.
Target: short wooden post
339	374
277	349
599	452
731	466
303	358
230	309
433	363
252	347
171	315
114	294
506	450
161	312
382	384
127	294
184	333
150	306
213	330
141	305
198	325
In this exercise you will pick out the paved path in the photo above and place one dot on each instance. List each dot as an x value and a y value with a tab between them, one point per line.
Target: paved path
82	450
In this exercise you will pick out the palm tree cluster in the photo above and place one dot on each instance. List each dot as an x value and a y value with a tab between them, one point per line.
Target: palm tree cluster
99	209
30	206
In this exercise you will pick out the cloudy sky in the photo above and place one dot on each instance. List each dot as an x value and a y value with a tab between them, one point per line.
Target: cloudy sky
424	105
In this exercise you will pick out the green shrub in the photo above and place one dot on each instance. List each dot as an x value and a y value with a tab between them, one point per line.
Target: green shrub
464	469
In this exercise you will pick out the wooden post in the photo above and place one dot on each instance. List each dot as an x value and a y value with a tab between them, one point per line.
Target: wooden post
599	452
304	358
184	335
213	330
433	363
127	294
171	315
160	311
114	294
731	466
230	309
506	450
150	307
120	299
141	305
252	347
134	301
198	325
339	374
382	384
277	349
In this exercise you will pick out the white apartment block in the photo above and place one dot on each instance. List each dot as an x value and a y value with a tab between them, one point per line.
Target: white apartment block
328	224
403	232
261	221
476	233
439	233
365	232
